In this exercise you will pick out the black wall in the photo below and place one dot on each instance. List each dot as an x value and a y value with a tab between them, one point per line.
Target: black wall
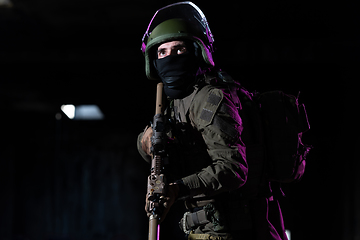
64	179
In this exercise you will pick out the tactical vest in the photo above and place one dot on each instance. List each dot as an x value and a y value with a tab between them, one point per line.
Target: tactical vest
186	147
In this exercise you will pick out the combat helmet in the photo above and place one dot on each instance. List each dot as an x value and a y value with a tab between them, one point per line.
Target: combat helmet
183	20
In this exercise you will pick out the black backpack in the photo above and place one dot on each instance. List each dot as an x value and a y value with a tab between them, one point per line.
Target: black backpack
284	121
278	121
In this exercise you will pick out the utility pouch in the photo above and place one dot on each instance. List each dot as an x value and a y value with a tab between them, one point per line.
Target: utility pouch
191	220
208	214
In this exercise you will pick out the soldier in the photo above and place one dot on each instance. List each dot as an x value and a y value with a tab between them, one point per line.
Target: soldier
210	148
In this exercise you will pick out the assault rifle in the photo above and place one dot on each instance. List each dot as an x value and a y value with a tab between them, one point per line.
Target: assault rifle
156	181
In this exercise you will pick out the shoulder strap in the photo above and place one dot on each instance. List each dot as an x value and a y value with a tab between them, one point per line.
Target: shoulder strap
233	87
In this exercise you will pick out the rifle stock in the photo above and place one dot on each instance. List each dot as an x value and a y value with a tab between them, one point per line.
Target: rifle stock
156	180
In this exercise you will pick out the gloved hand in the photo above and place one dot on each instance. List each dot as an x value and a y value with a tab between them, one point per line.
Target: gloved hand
172	192
146	140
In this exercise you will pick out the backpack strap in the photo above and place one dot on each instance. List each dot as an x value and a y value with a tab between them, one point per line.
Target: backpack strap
232	86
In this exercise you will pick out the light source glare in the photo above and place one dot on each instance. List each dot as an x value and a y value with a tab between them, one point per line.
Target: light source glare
288	234
88	112
69	110
82	112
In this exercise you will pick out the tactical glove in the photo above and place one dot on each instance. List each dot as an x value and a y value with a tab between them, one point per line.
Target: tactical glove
166	202
146	140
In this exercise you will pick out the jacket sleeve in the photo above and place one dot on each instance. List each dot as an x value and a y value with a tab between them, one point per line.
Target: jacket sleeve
214	114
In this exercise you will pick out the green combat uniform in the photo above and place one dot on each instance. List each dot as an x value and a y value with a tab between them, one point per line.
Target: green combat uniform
216	156
208	155
209	151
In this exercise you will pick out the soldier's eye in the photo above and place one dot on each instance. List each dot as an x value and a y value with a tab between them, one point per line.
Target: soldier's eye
181	50
162	53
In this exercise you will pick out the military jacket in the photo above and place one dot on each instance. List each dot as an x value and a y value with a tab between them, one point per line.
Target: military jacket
206	150
207	139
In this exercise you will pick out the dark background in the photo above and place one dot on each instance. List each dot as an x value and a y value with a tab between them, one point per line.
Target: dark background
62	179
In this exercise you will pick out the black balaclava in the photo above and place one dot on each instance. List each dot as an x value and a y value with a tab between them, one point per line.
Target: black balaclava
178	73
